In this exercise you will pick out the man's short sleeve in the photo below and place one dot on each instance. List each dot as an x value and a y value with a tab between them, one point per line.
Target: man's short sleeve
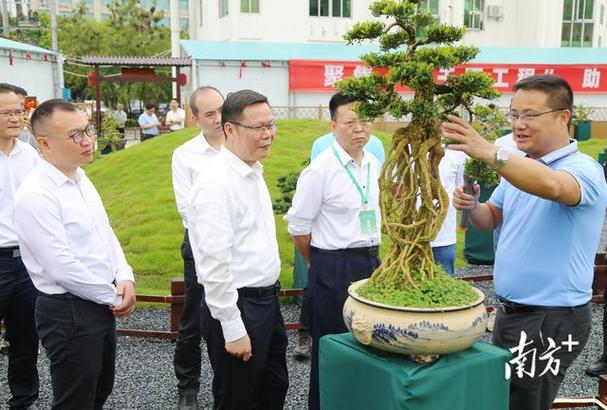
590	178
497	197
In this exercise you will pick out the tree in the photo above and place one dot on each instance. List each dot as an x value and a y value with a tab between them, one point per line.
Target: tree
413	201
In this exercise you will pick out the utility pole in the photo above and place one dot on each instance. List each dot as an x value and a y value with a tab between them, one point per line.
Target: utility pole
5	21
175	31
52	4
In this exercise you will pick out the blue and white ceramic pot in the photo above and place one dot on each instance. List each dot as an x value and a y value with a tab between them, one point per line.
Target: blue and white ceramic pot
424	334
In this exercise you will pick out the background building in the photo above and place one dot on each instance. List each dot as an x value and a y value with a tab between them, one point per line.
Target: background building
32	68
98	9
491	23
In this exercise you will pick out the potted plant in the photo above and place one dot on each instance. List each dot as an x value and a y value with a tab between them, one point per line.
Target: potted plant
111	139
582	125
410	305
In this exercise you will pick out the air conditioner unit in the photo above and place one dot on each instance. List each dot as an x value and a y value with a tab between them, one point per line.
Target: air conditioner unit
495	11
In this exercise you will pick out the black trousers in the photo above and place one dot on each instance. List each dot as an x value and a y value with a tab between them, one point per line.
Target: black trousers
330	276
187	361
17	301
305	315
80	341
260	383
532	391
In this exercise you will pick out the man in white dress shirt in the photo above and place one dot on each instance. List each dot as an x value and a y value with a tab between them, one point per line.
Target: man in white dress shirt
335	223
74	260
444	246
233	235
175	116
17	292
206	103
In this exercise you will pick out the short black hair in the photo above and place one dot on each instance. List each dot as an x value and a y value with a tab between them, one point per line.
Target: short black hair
149	106
46	110
20	91
337	100
236	102
193	107
7	88
557	89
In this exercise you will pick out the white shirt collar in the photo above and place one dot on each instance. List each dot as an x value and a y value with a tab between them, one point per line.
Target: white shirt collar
238	165
205	144
345	158
58	177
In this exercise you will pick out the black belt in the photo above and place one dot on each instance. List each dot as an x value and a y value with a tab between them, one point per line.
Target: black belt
10	252
369	252
508	307
260	292
63	296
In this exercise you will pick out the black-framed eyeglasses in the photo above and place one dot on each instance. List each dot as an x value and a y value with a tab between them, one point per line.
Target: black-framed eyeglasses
258	128
78	135
527	116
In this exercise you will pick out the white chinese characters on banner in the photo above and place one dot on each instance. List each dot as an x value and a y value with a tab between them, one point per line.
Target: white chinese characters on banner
499	81
443	73
591	78
362	71
333	74
524	73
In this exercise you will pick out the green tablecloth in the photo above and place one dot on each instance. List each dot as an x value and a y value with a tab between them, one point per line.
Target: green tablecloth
353	376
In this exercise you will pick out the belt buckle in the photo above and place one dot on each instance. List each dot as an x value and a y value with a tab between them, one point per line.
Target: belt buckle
16	253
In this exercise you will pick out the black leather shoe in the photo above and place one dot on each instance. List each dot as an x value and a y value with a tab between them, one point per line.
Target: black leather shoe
596	369
188	401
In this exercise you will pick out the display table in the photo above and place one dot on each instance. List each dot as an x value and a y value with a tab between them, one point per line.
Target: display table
353	376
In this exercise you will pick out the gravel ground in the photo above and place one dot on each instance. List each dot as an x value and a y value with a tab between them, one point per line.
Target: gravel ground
145	379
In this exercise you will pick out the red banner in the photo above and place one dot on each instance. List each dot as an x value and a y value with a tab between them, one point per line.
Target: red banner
315	75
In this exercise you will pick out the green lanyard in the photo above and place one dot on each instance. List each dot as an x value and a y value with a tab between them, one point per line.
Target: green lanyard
365	196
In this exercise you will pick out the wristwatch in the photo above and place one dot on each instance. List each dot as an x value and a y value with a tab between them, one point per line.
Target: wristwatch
501	158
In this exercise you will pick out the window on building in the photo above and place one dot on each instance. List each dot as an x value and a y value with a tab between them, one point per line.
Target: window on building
249	6
183	5
432	7
473	14
184	23
578	23
602	19
332	8
223	8
163	4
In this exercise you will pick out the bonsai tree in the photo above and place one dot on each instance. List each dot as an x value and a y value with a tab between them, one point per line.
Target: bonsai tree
413	201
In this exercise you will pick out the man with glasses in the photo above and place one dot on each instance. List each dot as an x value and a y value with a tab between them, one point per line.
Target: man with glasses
233	236
550	206
335	223
74	260
17	292
188	159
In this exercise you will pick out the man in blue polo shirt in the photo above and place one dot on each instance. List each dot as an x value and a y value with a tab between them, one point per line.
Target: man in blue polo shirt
551	207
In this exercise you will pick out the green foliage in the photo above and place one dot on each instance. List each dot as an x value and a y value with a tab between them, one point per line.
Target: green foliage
581	113
287	185
489	124
130	30
109	134
440	291
414	204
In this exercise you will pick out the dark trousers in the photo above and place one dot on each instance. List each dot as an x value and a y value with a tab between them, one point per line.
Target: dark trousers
17	301
80	341
330	276
305	316
534	392
187	361
260	383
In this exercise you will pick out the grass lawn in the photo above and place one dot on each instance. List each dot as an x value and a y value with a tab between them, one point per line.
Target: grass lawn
135	186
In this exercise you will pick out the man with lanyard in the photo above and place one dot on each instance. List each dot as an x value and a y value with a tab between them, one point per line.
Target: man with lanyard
206	103
17	292
335	223
304	341
233	235
74	259
551	207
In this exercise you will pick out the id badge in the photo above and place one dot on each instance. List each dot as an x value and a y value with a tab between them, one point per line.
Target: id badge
368	222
